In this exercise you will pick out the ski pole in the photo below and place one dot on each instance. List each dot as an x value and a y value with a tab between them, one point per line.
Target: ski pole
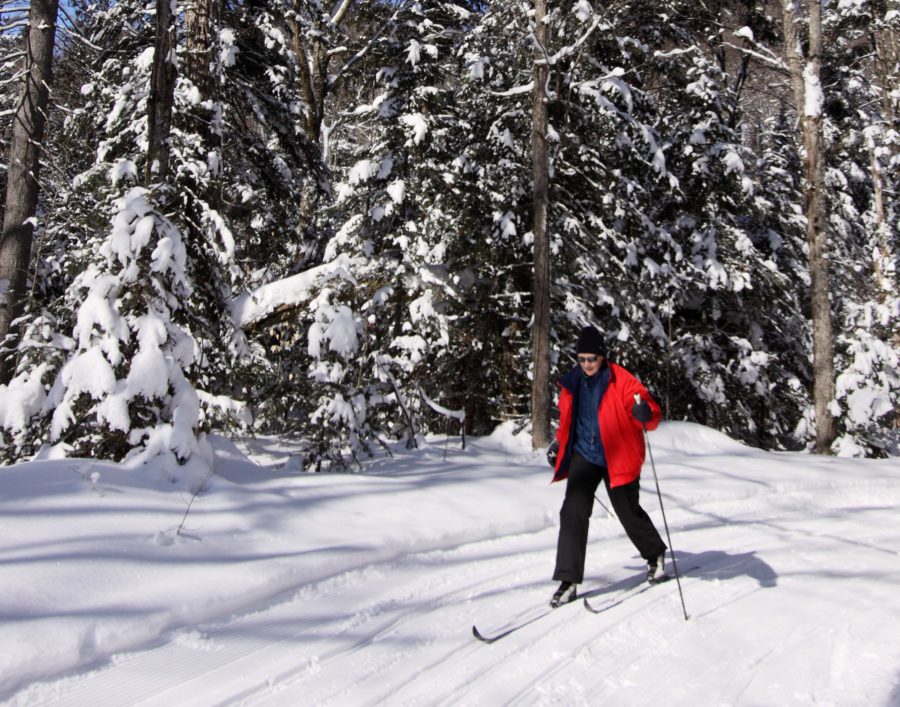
603	506
637	399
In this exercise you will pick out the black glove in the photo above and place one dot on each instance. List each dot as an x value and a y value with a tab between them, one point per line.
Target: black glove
641	412
552	453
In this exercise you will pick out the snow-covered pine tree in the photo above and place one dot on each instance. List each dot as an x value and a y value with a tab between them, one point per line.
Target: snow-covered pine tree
266	158
293	76
150	333
861	144
377	329
611	186
776	225
729	324
492	257
610	182
652	212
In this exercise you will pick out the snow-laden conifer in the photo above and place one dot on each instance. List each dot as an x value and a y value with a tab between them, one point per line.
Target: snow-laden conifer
861	140
146	273
379	330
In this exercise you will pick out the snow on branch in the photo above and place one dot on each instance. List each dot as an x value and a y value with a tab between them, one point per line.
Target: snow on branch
674	52
252	309
771	60
441	410
580	42
341	12
459	415
69	29
12	25
517	91
8	61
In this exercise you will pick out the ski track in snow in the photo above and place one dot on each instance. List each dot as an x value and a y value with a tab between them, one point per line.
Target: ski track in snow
769	621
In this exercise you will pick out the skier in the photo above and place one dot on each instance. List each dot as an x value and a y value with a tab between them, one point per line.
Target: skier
600	438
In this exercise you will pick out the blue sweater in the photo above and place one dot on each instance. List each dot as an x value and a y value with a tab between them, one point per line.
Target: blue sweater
587	424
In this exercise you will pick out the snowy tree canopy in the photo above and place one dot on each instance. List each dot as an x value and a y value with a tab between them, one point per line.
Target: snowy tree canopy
341	246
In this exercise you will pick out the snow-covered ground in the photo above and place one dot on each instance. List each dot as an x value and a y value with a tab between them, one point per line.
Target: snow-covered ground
335	589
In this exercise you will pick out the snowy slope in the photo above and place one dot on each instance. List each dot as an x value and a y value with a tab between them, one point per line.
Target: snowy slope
287	588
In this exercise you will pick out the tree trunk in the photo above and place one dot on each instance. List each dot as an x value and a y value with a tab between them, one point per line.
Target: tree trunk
887	55
22	184
311	54
809	99
200	22
884	44
881	237
162	93
540	389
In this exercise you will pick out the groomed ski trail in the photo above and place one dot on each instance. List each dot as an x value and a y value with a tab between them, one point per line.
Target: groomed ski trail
399	632
345	641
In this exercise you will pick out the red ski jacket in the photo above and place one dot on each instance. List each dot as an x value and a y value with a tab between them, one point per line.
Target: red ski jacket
621	434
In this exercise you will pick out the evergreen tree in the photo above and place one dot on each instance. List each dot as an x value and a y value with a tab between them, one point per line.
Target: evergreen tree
145	285
378	331
344	234
859	139
492	258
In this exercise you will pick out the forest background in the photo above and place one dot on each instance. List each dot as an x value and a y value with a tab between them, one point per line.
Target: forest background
321	219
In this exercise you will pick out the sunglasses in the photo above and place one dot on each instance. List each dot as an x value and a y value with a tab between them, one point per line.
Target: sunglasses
588	359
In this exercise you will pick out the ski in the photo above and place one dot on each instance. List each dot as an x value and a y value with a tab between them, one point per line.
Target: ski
633	592
618	598
621	598
498	636
527	622
522	624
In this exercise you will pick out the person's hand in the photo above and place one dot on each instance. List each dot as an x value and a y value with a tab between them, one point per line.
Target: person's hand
641	412
552	453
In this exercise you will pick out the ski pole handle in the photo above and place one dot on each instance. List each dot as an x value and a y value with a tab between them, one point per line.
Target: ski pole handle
643	408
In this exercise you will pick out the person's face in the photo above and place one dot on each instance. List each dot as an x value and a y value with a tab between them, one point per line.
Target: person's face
590	363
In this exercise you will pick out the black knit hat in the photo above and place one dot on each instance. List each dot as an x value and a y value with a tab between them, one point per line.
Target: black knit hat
590	341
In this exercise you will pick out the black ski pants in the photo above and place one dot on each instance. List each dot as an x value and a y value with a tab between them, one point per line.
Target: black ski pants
575	514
